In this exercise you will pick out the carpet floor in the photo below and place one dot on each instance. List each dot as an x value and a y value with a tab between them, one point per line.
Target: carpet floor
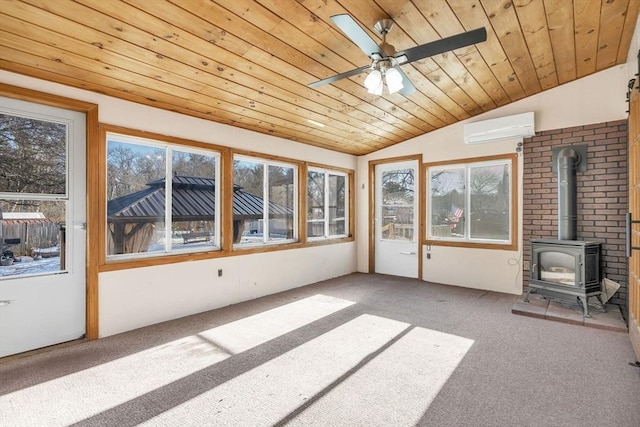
358	350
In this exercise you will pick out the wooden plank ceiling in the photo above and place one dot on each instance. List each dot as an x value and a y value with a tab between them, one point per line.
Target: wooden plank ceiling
247	63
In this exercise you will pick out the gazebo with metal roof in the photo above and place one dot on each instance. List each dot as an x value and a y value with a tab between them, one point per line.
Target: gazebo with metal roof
131	218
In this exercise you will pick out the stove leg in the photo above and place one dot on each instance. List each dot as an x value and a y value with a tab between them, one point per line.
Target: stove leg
585	307
526	297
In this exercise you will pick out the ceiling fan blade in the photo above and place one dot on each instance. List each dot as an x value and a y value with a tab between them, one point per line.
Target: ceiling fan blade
445	45
340	76
408	88
356	34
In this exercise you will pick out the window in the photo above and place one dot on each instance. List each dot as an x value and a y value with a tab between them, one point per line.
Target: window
327	204
35	193
161	198
264	202
472	203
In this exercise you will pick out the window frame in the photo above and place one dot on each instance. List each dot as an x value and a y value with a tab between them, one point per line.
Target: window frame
267	162
326	220
168	148
512	243
98	183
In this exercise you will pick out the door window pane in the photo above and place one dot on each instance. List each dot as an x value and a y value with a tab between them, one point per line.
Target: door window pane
33	155
397	204
33	196
32	237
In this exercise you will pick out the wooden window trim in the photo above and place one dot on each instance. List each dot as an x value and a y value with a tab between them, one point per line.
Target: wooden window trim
513	246
226	168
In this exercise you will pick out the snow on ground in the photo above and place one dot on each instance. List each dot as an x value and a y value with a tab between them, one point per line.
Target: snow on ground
45	265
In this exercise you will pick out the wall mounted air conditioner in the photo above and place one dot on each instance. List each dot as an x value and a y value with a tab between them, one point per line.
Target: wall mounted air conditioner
509	127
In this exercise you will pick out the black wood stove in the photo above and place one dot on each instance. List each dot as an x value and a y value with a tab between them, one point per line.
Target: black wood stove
567	268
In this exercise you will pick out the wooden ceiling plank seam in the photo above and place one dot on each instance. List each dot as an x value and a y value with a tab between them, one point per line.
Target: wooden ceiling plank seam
533	21
305	88
323	10
447	24
505	23
612	19
416	121
560	24
72	46
246	63
62	61
470	58
265	86
39	72
631	18
491	50
442	23
297	15
413	23
431	67
587	18
379	137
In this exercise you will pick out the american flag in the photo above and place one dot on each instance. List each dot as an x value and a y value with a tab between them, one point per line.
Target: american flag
456	212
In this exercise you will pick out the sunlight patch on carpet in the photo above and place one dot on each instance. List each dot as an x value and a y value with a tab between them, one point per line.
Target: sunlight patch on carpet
80	395
270	392
396	387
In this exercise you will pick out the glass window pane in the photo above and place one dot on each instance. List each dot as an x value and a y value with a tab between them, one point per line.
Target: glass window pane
489	202
32	155
337	204
135	198
447	202
193	201
248	217
32	237
397	204
281	202
315	204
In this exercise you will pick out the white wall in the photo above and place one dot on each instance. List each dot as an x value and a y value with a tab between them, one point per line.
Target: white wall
594	99
133	298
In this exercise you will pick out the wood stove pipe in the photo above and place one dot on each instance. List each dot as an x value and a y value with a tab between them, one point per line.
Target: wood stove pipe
567	164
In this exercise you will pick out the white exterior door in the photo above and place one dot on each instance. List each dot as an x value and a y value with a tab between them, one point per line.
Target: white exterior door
396	218
42	231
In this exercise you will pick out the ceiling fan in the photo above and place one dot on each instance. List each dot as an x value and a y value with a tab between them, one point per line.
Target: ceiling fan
385	61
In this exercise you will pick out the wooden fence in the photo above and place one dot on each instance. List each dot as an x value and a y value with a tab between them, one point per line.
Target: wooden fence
21	237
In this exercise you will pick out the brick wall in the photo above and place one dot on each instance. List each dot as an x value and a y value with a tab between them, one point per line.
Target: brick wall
602	194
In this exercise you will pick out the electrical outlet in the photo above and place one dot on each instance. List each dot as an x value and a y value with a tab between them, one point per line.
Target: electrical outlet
526	265
428	255
219	272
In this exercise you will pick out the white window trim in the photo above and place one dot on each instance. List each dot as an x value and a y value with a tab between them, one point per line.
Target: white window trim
265	204
326	220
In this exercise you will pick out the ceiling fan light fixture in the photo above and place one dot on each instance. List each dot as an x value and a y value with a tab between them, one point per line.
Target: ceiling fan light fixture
393	79
378	89
373	80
